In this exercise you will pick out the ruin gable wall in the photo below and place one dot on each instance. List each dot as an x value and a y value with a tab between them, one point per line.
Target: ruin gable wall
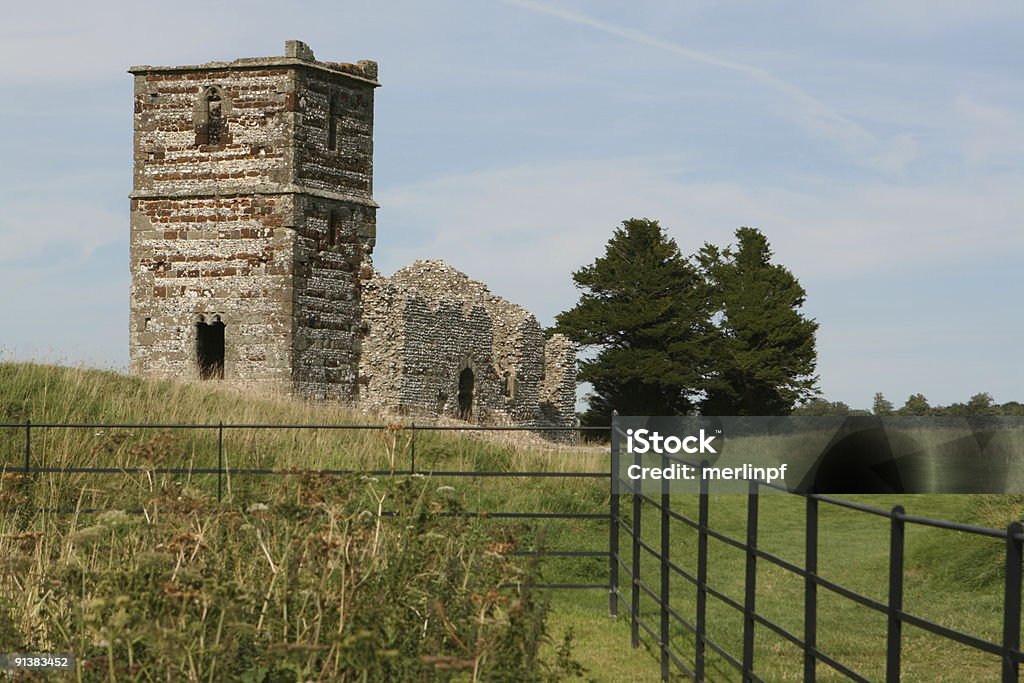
427	324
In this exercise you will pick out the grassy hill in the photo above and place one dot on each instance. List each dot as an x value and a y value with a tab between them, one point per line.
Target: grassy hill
182	509
951	578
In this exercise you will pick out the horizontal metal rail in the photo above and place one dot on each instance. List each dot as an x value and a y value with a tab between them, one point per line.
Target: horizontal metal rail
1009	650
562	553
221	470
291	472
349	427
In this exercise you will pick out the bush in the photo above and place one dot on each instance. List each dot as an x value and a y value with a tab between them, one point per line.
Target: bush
311	583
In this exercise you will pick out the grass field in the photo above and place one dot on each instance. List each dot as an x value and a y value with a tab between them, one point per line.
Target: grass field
951	579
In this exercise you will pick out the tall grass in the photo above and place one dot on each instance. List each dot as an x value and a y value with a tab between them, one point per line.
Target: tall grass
51	394
951	578
313	584
295	577
48	394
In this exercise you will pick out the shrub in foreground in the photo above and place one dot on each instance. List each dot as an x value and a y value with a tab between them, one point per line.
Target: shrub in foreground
313	583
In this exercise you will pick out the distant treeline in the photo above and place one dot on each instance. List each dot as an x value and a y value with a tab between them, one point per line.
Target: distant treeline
916	405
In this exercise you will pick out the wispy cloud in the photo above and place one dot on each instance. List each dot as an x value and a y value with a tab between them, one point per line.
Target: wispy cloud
552	218
875	256
49	233
993	133
813	112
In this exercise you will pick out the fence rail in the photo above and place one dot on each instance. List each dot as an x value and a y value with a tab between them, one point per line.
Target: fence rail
671	615
221	470
694	665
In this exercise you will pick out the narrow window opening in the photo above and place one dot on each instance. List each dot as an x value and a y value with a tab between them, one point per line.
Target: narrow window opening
332	124
210	348
210	117
466	394
215	119
332	229
509	385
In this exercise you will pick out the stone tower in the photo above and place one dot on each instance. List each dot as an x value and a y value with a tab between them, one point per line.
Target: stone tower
253	221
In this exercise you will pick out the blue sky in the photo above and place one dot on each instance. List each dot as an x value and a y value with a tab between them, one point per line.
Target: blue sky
878	145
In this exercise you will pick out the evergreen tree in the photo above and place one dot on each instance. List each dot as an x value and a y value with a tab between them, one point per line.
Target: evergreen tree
1012	408
643	308
916	406
978	405
882	406
982	404
764	353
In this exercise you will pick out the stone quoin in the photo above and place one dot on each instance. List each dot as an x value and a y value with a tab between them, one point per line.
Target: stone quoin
252	231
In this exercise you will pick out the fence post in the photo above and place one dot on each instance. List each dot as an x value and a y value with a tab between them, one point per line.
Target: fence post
1011	602
634	607
613	535
412	465
664	592
28	444
750	592
895	629
811	590
220	459
702	573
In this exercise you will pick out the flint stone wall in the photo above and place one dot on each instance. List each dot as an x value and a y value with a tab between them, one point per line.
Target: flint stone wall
268	225
252	205
428	322
558	388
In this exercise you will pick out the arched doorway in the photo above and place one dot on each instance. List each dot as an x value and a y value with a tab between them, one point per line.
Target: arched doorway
466	394
210	348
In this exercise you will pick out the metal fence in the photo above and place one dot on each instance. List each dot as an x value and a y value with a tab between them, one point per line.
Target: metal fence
693	618
33	464
690	616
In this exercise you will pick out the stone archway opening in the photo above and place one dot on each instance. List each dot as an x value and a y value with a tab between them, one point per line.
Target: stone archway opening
210	348
466	381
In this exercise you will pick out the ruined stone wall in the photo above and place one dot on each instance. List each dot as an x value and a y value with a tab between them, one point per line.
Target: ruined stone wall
382	339
558	390
518	359
426	324
419	335
440	341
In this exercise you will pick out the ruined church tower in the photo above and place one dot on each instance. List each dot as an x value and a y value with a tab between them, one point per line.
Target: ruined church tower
253	221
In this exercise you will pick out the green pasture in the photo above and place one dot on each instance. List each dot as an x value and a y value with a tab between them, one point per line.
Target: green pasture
951	578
